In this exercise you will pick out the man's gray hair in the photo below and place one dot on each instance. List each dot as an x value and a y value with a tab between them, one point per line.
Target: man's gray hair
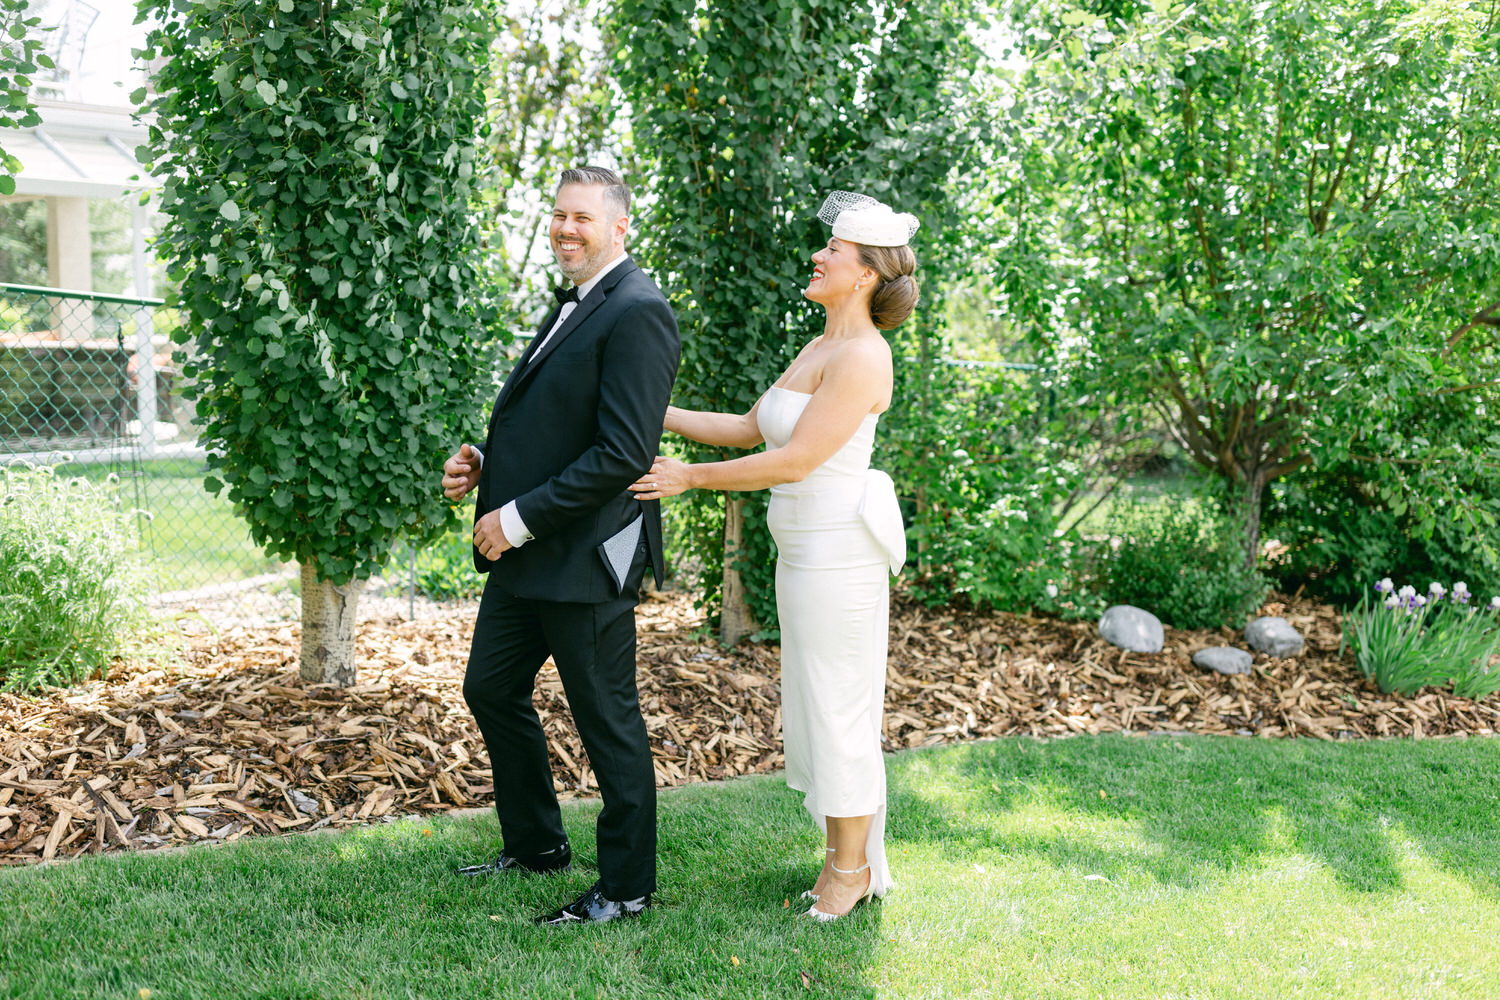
615	191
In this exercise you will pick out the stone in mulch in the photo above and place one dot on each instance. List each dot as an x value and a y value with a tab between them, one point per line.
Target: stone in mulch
1132	628
1274	636
227	741
1223	660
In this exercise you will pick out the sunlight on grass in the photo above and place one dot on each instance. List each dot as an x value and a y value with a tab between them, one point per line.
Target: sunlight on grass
1209	868
1013	925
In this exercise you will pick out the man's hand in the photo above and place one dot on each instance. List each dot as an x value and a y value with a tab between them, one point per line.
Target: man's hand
460	473
489	539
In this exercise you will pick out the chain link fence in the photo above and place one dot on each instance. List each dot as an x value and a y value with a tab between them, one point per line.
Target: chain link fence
88	387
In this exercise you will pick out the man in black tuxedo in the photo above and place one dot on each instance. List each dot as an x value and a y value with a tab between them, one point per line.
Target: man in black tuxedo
565	545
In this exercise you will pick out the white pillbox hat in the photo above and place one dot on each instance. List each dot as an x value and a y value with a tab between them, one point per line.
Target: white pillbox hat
859	218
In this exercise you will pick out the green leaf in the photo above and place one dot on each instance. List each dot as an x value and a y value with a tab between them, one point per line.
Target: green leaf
230	211
345	289
266	91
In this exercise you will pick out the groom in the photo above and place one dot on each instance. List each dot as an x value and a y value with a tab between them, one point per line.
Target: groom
565	545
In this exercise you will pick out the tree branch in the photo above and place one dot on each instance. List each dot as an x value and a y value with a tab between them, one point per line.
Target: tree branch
1485	316
1320	219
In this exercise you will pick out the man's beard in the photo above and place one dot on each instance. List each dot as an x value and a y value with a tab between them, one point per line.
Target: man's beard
586	267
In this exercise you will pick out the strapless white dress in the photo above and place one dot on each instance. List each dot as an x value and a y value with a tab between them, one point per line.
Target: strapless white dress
838	537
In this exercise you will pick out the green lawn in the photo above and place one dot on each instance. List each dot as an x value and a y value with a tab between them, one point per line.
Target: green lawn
193	539
1089	867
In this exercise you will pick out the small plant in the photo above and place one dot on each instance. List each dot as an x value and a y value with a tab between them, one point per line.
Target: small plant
445	569
1404	641
1181	562
69	580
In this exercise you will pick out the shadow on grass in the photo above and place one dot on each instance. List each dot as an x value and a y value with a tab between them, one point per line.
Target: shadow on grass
379	912
1191	808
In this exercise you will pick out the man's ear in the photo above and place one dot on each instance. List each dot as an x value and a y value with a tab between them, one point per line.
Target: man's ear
622	228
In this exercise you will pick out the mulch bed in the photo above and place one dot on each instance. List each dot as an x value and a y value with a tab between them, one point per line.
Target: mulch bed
229	742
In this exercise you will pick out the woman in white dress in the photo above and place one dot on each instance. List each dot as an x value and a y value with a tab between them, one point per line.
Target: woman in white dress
838	534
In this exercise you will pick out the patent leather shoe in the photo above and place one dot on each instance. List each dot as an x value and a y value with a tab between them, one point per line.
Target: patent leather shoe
593	907
559	859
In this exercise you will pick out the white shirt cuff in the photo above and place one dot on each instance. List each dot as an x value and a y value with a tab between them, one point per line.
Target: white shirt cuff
513	526
475	449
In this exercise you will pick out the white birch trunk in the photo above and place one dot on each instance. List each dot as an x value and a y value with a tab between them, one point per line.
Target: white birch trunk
735	620
329	614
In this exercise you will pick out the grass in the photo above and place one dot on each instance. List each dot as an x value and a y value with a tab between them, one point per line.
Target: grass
193	538
1090	867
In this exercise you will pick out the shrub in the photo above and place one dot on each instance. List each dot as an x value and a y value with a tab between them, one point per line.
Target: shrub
445	568
69	579
1341	532
982	466
1182	561
1404	641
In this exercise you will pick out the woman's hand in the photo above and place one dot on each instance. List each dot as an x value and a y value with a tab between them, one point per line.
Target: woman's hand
667	478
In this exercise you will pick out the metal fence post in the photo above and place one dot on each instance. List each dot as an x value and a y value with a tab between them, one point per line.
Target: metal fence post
145	346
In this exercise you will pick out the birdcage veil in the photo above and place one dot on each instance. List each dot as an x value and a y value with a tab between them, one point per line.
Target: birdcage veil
862	219
840	201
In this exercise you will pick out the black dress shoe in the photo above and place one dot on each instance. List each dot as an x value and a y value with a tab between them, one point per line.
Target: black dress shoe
593	908
559	859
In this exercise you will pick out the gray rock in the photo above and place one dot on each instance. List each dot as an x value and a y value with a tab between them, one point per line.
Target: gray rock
1132	628
1273	636
1223	659
305	803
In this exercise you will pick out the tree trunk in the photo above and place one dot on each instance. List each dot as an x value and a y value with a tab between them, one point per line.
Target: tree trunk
329	614
1255	485
735	620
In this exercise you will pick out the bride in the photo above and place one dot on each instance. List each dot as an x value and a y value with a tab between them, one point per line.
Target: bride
838	533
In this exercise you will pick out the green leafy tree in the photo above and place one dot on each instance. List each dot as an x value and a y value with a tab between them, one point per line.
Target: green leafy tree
20	56
318	162
1275	223
745	115
550	108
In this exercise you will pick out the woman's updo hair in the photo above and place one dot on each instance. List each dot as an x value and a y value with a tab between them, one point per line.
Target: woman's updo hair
895	288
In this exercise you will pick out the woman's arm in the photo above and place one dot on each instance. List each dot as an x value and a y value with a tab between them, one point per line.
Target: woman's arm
724	430
854	383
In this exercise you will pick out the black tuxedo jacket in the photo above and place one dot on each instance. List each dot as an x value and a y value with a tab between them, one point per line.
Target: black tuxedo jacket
575	424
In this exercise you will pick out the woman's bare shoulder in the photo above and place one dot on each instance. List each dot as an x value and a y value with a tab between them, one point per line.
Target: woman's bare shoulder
863	354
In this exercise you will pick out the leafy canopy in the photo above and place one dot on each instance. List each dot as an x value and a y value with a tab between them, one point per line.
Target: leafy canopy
20	56
745	116
1275	223
319	165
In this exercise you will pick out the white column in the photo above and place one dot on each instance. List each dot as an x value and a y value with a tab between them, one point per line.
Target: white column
70	265
145	348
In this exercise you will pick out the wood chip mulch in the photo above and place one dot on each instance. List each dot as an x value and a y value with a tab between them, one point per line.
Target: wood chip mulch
228	741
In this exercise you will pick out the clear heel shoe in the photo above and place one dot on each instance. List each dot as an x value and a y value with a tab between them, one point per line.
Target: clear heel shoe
808	893
823	917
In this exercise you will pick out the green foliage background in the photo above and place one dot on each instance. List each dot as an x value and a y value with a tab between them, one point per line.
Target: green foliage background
745	116
21	55
1276	226
319	164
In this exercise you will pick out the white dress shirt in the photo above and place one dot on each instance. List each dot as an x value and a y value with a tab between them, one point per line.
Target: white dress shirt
510	519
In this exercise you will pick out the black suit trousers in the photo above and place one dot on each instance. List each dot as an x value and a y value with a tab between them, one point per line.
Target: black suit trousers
593	646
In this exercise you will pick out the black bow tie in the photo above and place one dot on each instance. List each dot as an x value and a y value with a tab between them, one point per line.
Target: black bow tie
569	294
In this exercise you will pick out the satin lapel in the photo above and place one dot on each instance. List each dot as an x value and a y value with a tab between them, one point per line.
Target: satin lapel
575	319
533	359
525	362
